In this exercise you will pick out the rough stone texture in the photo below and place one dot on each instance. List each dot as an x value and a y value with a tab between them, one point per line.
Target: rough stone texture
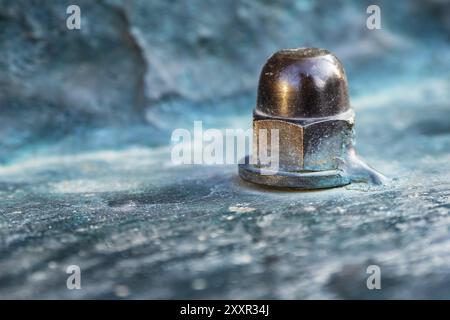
86	178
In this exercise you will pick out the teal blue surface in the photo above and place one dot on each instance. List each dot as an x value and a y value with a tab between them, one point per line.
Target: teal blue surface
86	179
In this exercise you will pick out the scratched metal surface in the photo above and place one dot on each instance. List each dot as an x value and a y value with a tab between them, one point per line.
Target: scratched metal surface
91	183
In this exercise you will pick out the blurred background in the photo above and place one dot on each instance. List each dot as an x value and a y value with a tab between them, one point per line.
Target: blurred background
152	65
86	118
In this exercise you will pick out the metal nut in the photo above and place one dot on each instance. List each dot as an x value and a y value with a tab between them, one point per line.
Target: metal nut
303	94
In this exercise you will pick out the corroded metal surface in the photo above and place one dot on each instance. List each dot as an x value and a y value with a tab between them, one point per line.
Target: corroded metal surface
293	179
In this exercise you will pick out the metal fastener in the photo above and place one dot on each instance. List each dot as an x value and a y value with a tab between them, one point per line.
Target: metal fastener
303	95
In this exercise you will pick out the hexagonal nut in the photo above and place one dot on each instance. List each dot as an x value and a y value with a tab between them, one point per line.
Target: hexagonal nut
325	142
312	147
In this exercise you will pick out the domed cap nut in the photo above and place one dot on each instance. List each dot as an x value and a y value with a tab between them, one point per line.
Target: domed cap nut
303	105
302	83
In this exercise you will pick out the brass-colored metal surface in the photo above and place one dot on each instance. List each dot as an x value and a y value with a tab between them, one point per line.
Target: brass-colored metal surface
290	142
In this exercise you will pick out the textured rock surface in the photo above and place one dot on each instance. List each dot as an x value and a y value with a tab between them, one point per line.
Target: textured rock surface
86	178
